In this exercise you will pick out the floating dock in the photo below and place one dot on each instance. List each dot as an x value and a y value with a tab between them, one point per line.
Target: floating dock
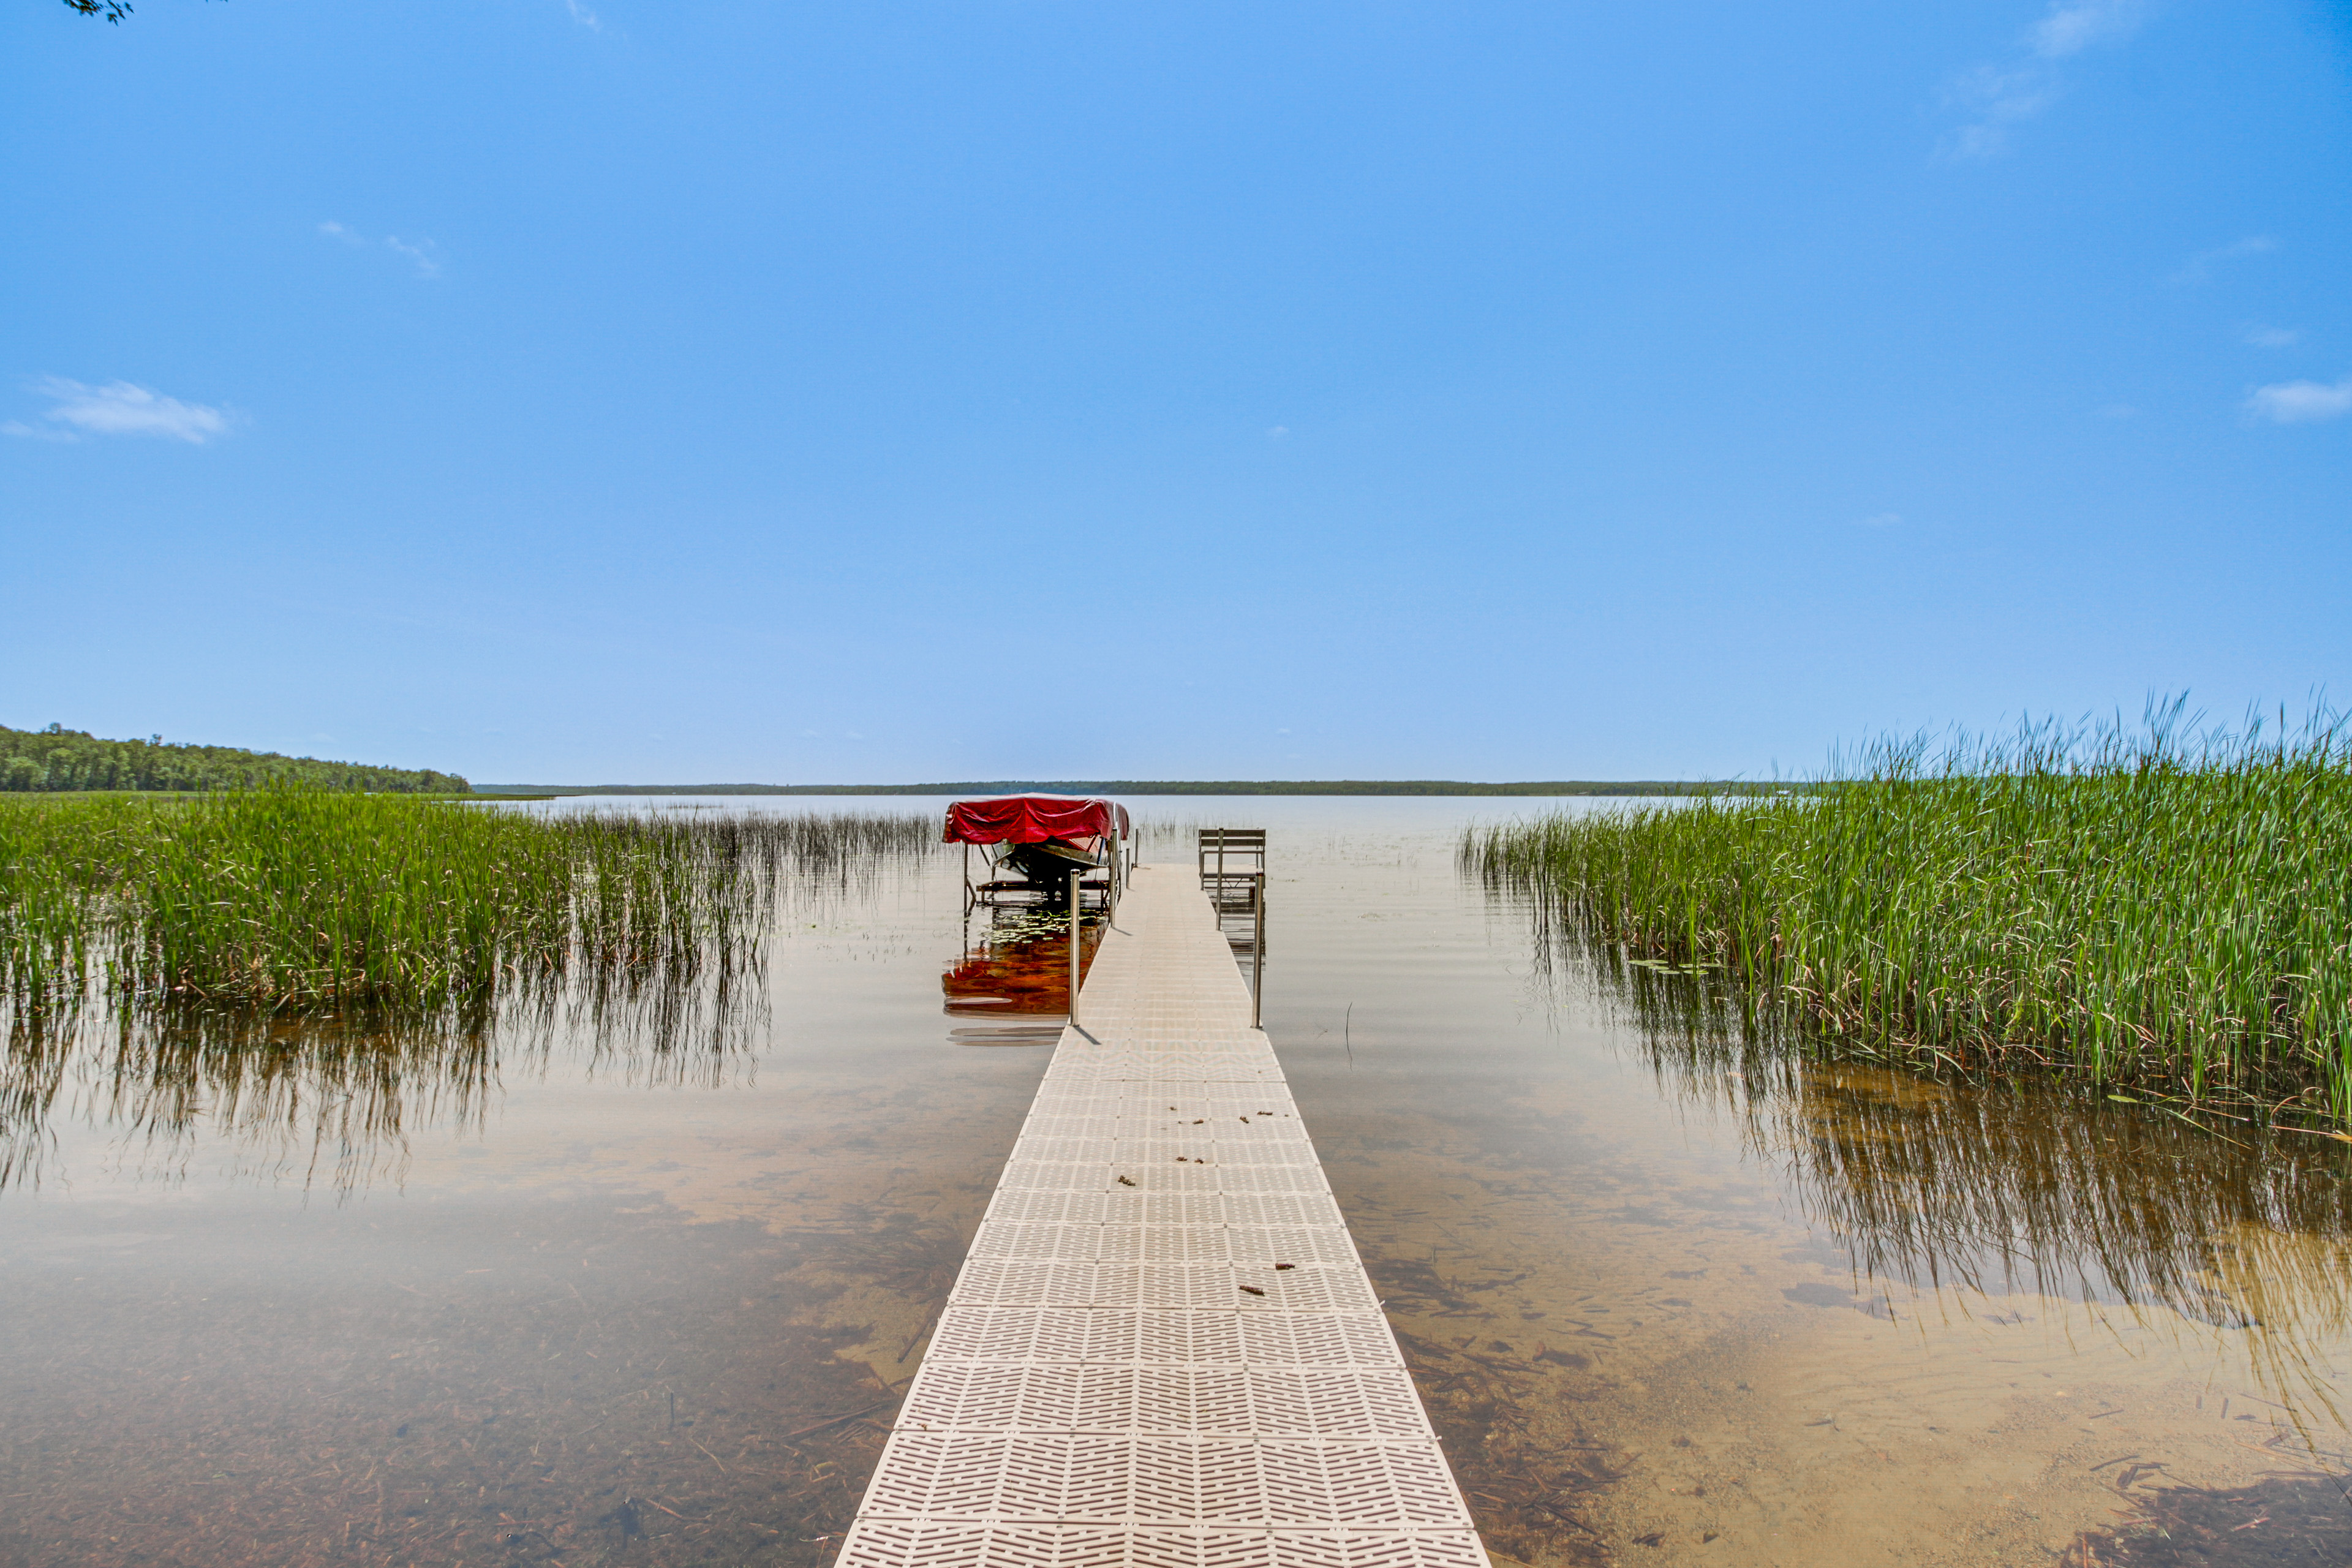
1162	1351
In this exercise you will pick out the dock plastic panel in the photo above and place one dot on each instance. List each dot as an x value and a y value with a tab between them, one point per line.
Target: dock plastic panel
1162	1351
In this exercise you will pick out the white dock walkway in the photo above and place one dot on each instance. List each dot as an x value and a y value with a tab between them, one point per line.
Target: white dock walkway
1162	1351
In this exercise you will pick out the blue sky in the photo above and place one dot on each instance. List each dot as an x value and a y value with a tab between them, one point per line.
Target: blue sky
607	391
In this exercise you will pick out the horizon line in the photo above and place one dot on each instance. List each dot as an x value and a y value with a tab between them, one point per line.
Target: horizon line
1169	786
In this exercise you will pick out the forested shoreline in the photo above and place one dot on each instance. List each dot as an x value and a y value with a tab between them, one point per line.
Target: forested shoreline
57	759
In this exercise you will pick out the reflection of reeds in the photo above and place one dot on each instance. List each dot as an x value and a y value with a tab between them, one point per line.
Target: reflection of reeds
1987	1189
329	1095
313	976
2140	910
1994	1190
1991	1185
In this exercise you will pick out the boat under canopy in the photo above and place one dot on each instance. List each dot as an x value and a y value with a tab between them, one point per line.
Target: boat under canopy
1047	837
1036	819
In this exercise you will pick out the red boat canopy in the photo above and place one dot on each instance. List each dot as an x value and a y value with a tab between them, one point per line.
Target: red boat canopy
1034	818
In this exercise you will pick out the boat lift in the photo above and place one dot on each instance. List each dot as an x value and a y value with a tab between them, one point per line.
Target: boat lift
1062	846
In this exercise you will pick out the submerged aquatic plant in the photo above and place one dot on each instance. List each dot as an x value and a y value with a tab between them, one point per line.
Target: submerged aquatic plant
2135	907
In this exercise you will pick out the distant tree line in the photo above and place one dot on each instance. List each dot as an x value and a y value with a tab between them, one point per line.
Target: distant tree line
60	759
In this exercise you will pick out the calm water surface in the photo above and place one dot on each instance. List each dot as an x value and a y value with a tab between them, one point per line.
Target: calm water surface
640	1287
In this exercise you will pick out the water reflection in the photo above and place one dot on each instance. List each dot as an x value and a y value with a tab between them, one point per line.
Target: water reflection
1017	970
1996	1188
334	1097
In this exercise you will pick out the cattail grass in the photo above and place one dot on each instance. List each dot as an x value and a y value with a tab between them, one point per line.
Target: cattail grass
290	900
2130	907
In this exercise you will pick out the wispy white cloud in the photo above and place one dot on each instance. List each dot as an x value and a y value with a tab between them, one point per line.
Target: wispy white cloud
2073	25
423	253
1997	98
118	408
2272	337
2300	402
427	264
25	432
584	16
2199	268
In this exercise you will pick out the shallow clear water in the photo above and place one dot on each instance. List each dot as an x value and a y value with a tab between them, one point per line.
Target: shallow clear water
1668	1300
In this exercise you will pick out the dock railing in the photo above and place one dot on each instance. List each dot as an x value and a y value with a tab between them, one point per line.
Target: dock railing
1232	863
1229	857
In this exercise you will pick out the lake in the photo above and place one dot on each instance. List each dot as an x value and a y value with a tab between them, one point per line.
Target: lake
638	1280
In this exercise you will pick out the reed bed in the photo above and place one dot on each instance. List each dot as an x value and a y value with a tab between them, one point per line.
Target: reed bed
315	974
2142	912
288	899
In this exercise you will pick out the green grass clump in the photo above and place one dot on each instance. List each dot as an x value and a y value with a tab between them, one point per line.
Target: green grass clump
288	899
2139	909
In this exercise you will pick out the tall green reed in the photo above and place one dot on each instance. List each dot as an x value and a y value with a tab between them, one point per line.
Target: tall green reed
312	974
2141	908
293	899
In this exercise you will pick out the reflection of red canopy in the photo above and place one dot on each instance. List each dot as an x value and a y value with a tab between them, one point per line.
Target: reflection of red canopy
1033	819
